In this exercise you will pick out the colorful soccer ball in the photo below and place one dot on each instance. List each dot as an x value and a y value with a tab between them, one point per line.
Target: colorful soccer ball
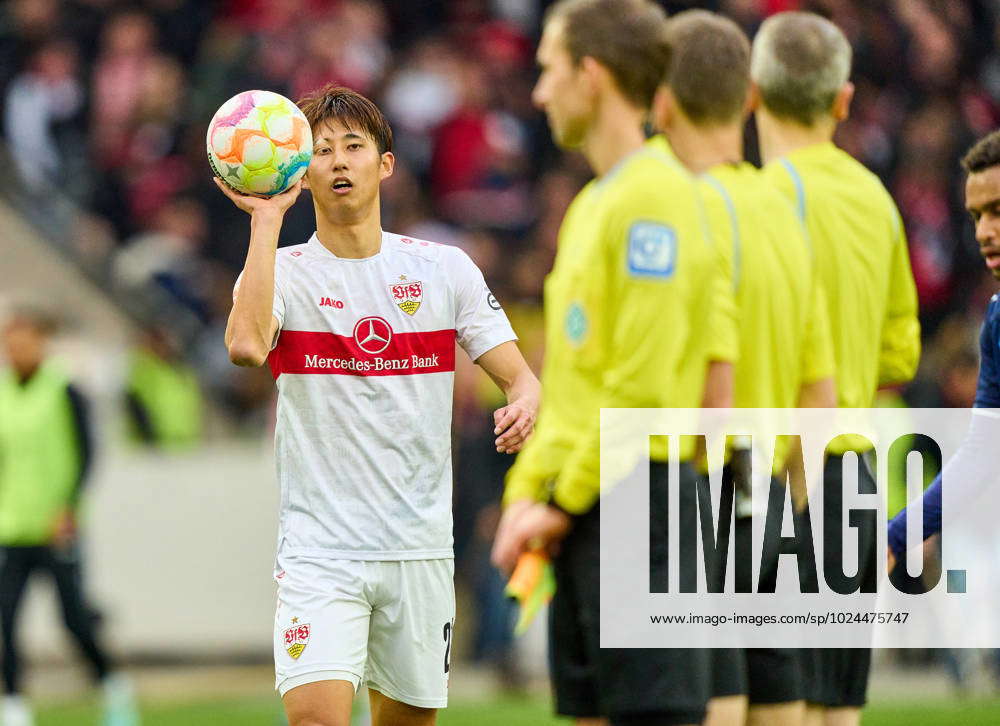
259	142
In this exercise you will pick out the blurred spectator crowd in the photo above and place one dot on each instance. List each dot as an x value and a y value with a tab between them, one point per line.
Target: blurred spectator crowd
107	103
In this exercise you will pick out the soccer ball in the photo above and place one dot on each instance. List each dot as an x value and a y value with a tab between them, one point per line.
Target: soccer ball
259	142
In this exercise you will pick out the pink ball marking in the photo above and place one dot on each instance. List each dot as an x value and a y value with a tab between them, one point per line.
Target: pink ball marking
241	112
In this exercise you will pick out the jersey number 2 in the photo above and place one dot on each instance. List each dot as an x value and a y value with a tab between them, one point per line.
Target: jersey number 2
447	646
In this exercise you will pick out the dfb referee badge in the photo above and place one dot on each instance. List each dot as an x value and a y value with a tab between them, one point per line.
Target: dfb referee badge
652	250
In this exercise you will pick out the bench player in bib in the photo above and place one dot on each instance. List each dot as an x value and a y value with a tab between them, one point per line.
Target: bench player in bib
359	328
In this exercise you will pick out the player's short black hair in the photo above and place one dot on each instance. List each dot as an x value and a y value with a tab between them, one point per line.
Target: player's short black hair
333	102
984	154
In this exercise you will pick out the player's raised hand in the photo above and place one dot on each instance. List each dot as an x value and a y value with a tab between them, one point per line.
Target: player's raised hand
514	423
279	203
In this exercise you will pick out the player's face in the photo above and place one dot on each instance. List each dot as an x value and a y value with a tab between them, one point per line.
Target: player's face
562	90
982	199
24	346
345	171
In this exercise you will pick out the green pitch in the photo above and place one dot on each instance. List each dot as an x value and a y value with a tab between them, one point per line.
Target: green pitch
498	713
268	713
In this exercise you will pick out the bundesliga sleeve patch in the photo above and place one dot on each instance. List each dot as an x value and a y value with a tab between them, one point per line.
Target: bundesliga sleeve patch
652	250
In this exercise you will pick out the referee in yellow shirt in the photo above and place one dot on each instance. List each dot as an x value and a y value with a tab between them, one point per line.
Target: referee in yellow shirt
785	353
628	311
800	65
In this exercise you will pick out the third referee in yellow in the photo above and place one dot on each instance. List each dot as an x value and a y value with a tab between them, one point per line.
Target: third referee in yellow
800	66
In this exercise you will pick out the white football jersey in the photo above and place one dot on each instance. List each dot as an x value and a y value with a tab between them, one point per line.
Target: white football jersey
364	363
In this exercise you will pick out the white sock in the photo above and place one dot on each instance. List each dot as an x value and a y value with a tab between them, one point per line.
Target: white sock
119	695
16	712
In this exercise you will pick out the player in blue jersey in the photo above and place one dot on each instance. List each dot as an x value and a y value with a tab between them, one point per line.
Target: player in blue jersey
982	199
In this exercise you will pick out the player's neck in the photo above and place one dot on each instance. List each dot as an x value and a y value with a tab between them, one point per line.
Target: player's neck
702	147
779	137
615	133
351	239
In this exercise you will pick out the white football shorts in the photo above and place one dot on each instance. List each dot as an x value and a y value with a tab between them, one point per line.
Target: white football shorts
386	625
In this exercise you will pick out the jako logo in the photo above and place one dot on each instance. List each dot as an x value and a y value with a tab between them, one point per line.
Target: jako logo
329	302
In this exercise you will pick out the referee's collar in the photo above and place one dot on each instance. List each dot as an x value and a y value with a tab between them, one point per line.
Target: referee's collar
656	147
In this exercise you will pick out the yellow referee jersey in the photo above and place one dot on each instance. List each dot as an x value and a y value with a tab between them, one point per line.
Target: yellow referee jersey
784	331
627	317
863	263
783	322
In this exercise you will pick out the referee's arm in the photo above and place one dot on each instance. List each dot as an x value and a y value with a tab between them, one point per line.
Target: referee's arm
900	351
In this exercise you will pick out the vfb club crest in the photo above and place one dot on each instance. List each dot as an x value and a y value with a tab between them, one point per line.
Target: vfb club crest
407	295
296	638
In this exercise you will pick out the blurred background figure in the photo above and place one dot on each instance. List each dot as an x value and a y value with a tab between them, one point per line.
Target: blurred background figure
41	104
46	449
165	254
162	394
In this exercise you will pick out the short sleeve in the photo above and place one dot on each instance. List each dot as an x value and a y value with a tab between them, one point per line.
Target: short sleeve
723	333
480	322
900	352
278	304
818	360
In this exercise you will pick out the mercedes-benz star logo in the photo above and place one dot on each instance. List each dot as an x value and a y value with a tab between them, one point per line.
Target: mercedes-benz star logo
372	334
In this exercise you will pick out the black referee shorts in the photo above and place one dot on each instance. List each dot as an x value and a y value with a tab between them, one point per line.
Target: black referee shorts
729	672
765	675
838	677
628	685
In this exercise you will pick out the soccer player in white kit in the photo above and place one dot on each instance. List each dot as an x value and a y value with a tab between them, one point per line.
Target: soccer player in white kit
359	328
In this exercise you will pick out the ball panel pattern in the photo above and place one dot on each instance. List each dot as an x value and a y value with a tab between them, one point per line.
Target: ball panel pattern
259	142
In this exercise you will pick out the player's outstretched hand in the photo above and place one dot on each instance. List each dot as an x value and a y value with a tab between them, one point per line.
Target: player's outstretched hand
279	203
890	562
514	423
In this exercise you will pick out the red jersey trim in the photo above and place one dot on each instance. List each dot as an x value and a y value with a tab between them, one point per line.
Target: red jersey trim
405	354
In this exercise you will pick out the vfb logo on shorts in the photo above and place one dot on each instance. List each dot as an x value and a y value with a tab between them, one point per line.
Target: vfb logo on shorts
407	295
296	639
